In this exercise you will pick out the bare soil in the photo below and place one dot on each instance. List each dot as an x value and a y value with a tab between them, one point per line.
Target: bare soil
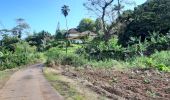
29	84
136	84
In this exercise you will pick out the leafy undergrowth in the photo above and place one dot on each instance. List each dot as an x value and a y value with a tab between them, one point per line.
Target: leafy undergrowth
158	60
136	84
70	89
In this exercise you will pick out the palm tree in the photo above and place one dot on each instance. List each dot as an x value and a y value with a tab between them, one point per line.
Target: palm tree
65	10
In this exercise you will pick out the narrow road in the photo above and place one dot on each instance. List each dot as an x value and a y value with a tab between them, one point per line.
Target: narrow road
29	84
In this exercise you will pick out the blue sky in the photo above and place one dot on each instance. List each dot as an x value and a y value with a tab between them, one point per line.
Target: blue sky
42	14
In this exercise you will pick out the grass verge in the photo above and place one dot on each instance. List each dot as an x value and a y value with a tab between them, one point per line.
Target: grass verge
5	75
63	87
70	89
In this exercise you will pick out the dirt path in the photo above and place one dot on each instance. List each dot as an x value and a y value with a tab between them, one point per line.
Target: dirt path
29	84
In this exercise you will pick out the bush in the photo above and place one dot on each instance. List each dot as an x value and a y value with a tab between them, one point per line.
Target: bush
56	56
156	42
159	60
22	55
100	50
162	57
73	60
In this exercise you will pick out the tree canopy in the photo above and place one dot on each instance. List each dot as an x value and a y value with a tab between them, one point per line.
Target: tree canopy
153	15
86	24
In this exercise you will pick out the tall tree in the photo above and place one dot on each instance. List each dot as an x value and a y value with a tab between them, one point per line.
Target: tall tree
102	8
86	24
65	10
108	11
59	34
153	15
21	26
98	25
40	40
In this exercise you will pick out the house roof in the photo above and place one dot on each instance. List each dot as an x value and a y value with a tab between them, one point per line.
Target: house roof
88	33
75	34
73	31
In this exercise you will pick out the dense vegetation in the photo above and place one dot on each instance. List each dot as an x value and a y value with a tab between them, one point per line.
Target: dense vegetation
141	39
15	51
152	16
138	38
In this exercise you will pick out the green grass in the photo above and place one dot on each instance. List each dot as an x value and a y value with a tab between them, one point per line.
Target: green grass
107	64
64	88
7	72
5	75
2	74
158	60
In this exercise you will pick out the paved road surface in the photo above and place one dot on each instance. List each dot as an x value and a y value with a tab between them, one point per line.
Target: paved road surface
29	84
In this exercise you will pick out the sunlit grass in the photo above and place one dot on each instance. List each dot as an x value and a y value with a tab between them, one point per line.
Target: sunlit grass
64	88
5	75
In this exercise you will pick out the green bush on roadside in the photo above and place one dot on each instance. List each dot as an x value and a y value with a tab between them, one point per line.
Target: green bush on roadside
158	60
23	54
56	56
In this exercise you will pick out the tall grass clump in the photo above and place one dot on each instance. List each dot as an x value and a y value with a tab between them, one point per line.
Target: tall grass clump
107	64
56	56
158	60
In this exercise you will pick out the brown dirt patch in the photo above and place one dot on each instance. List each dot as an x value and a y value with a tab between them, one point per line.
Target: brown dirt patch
136	84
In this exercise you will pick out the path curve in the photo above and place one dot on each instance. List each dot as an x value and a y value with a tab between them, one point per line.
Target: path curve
29	84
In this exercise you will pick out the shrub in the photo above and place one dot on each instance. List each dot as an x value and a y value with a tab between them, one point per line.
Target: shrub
73	60
159	60
100	50
161	57
22	55
56	56
158	42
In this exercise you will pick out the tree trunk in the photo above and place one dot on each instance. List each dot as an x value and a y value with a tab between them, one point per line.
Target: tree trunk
66	35
105	30
119	5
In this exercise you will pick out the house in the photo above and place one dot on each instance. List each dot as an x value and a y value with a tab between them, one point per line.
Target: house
89	33
75	34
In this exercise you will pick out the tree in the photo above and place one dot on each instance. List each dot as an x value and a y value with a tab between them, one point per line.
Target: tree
108	11
98	25
40	40
21	26
86	24
60	34
101	8
65	10
8	42
153	15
